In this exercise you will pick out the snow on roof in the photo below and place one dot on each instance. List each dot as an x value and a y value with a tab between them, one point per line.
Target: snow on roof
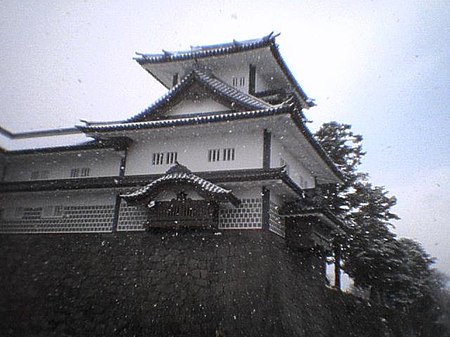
226	49
180	174
207	51
198	119
216	86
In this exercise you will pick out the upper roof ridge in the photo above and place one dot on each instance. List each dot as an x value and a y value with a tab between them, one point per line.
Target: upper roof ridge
207	50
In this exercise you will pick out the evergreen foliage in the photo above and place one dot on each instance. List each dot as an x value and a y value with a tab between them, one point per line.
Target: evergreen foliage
395	272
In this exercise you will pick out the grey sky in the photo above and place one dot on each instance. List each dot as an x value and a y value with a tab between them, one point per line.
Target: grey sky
382	66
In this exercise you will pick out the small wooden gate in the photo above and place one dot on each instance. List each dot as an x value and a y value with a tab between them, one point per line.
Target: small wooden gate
182	214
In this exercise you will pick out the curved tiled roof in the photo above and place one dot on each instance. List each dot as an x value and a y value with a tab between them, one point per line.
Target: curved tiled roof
214	85
226	49
199	119
180	174
206	51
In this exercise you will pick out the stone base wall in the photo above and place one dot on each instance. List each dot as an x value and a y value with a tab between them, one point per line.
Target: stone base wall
168	283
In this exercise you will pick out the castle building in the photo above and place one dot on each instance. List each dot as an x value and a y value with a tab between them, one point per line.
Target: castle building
225	148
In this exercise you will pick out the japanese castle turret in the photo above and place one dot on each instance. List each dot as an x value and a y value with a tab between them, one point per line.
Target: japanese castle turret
199	216
226	148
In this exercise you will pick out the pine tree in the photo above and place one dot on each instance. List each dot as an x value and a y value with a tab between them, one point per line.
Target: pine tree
396	272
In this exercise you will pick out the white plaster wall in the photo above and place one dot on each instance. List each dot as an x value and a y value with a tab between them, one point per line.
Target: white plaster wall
246	192
101	163
260	83
277	199
227	75
297	171
193	152
203	105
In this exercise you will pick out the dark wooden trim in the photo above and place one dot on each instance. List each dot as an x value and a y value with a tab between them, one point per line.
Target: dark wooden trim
116	213
265	208
252	79
175	80
216	177
296	117
267	149
123	163
5	167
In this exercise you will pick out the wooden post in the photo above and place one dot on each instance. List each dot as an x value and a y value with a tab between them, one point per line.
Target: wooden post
337	266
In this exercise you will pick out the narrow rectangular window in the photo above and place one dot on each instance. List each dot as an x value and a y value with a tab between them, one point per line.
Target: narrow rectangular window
171	157
238	81
228	154
217	154
85	171
214	155
159	158
75	172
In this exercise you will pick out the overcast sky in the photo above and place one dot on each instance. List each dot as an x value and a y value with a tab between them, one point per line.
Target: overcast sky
381	66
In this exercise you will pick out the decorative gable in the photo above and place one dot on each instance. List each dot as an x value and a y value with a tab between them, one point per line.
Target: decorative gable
200	93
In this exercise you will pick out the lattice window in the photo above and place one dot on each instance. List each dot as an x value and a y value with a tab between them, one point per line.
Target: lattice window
161	158
158	158
171	157
213	155
85	172
228	154
75	172
238	81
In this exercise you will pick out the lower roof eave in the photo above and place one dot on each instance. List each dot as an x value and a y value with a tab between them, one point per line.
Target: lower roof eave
219	177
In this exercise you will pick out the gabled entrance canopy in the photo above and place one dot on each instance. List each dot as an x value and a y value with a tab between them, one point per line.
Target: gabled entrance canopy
179	175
